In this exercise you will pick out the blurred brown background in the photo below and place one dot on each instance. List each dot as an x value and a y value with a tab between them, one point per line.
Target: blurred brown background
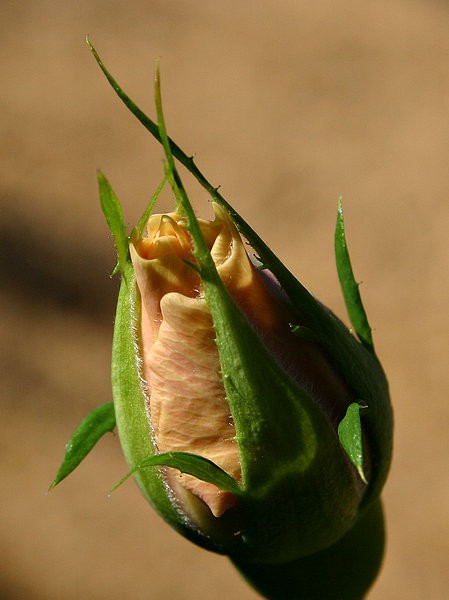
286	105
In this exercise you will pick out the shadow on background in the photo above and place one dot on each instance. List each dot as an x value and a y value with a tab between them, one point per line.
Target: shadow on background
58	277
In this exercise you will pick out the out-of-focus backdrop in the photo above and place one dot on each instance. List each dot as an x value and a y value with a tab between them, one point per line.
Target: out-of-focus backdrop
286	105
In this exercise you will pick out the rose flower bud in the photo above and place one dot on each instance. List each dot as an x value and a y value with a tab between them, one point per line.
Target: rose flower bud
233	374
253	420
186	398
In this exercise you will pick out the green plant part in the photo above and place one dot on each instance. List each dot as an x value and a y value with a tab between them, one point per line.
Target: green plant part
251	418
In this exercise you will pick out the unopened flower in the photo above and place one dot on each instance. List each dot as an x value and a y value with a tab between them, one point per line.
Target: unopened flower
255	422
228	368
185	394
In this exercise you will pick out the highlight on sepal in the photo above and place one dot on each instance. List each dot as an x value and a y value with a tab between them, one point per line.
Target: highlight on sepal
190	464
349	285
350	435
93	427
305	333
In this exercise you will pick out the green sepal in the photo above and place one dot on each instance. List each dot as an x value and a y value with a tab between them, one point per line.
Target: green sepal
113	213
149	209
93	427
349	285
190	464
350	435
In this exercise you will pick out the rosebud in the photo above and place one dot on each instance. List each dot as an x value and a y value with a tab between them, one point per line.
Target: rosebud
186	398
253	390
253	420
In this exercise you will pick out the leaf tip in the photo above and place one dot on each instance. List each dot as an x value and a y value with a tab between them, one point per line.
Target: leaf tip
350	436
349	285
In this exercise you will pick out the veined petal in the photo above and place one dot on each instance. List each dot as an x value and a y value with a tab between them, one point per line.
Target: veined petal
188	406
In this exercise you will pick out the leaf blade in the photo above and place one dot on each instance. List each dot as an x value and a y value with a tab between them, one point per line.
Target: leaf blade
350	436
113	213
190	464
349	285
149	209
97	423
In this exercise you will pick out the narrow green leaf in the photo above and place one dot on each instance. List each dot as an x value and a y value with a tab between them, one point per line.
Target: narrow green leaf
349	286
91	429
201	250
149	124
112	210
190	464
350	435
149	209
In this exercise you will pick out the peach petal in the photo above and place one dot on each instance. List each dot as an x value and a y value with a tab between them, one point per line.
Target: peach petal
188	406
